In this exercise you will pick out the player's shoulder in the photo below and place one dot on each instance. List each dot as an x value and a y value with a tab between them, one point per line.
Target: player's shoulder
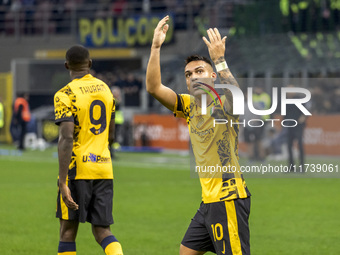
97	81
186	97
64	91
94	79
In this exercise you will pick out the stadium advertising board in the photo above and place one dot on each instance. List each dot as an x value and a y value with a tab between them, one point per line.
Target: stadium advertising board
322	135
172	133
136	30
161	131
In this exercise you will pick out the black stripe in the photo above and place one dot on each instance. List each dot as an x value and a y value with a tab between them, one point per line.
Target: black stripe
242	207
67	119
58	212
107	240
67	247
179	103
233	192
72	173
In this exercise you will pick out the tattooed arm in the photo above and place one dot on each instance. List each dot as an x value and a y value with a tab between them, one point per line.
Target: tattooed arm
226	77
216	48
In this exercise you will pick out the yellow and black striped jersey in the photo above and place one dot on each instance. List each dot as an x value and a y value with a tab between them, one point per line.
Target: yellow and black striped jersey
215	149
89	103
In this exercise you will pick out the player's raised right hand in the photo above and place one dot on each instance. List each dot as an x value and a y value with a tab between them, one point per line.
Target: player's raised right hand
160	32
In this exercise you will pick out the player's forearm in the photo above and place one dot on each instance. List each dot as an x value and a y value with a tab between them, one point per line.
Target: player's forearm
153	71
65	146
226	77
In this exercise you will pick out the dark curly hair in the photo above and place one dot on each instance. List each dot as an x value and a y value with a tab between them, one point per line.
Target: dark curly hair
197	58
76	56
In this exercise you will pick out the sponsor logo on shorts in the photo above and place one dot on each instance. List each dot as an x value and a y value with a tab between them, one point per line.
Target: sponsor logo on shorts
96	158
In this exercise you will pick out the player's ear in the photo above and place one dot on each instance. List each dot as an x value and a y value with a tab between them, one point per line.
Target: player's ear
214	76
66	65
90	63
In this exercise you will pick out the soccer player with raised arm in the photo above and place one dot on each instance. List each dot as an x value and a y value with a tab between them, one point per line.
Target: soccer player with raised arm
84	111
221	222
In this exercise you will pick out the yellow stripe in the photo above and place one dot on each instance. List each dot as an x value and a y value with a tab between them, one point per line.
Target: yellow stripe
64	209
241	190
67	253
94	53
7	100
235	242
114	248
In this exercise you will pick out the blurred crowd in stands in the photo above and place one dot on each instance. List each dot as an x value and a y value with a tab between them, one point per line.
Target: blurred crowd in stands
31	16
55	16
129	83
325	99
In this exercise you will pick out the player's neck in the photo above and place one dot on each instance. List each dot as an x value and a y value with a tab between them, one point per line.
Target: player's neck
78	74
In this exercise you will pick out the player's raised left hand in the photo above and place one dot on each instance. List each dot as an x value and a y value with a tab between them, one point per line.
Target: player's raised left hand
215	44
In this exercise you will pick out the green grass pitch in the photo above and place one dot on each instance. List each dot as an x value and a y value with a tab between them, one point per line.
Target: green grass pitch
155	198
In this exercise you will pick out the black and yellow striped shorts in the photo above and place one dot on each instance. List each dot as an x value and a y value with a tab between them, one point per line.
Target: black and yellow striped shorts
220	227
95	200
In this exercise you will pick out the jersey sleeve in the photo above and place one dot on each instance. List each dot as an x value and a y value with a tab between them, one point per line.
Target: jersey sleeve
182	106
62	108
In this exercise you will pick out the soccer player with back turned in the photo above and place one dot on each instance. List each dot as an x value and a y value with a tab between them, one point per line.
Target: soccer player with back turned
84	111
221	223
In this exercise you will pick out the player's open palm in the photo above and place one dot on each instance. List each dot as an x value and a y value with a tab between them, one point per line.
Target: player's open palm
160	32
215	44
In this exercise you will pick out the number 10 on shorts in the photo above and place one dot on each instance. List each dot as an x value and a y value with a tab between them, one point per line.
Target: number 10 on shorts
217	230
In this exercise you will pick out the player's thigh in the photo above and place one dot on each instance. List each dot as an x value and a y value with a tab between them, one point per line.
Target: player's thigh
100	209
228	222
197	239
183	250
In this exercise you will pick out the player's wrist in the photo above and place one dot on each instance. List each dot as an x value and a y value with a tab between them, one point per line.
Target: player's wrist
62	183
218	60
222	65
155	47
